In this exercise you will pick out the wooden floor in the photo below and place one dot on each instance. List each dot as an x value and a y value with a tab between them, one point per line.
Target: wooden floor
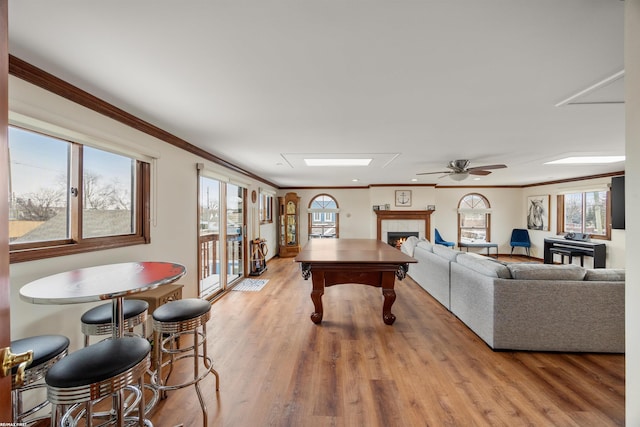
277	368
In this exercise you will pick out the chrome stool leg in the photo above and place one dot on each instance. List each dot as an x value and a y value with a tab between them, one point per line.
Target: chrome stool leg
187	317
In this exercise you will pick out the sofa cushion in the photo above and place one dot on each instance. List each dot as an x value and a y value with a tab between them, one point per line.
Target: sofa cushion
546	272
425	244
409	245
483	265
445	252
605	275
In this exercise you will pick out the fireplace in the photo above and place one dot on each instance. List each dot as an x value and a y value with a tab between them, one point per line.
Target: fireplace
403	221
396	238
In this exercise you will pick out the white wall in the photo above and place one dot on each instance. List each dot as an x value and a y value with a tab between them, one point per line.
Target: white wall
174	211
354	210
632	199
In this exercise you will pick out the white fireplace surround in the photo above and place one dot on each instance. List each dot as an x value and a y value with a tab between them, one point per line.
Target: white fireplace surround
402	225
403	221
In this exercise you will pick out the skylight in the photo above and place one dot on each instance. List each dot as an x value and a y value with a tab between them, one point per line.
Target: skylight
337	162
587	160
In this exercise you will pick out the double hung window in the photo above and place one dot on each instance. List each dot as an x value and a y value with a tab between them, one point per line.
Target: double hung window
474	219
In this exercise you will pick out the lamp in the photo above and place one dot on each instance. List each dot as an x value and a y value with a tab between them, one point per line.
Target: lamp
461	176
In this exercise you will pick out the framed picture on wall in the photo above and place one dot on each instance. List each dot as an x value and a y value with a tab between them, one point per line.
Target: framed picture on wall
403	197
538	212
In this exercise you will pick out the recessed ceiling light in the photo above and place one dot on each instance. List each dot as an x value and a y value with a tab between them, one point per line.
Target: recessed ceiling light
355	180
586	160
337	162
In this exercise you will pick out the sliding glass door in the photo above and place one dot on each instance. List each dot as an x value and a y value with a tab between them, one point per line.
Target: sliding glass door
209	236
235	227
221	237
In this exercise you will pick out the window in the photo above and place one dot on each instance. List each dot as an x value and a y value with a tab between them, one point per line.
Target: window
67	198
474	219
323	217
586	212
266	208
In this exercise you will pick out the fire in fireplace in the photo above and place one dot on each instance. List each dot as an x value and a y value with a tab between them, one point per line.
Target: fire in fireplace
396	238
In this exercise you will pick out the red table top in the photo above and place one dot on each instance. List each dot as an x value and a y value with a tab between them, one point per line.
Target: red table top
100	282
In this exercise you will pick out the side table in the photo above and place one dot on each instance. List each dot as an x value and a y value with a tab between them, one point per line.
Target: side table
160	295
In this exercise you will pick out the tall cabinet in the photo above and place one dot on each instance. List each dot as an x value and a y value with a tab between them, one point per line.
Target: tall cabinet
288	233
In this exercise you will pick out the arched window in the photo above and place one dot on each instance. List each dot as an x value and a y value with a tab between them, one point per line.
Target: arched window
323	217
474	219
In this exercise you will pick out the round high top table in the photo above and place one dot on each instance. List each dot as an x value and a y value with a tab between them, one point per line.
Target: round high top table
104	282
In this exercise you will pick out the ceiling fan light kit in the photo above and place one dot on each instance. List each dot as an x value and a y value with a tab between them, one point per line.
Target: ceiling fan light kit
461	176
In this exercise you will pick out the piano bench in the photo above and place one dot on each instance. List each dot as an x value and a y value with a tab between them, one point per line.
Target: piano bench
567	252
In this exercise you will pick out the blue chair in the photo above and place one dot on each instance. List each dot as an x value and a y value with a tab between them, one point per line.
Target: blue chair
520	238
440	241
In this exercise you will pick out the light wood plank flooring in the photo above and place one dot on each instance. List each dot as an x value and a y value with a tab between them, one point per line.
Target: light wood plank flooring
277	368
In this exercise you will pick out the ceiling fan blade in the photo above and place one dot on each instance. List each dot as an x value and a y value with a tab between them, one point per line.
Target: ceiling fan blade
431	173
478	172
487	167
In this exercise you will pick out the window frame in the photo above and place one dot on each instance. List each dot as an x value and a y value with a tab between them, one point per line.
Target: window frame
322	215
31	251
265	208
487	214
560	214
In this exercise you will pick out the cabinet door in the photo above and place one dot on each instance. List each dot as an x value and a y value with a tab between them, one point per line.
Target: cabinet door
292	235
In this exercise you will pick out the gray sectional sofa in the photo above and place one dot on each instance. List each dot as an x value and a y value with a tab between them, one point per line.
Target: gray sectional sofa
525	306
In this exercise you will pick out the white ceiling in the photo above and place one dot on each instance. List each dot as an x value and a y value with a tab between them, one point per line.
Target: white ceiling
261	82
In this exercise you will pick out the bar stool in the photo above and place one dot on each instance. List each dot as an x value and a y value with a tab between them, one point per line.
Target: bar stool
47	350
99	320
174	319
101	370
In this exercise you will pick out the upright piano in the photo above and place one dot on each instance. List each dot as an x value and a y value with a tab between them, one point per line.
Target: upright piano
587	248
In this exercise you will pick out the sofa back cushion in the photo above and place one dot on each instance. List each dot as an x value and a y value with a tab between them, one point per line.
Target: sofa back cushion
445	252
605	275
546	272
425	244
409	245
483	265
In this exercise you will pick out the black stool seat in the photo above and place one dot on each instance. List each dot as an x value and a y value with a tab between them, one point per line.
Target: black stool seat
45	348
98	362
180	310
104	313
568	252
47	351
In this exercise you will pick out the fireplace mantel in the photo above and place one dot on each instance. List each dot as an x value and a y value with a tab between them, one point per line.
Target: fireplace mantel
402	215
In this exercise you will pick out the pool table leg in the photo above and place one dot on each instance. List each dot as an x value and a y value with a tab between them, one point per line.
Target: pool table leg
389	294
316	296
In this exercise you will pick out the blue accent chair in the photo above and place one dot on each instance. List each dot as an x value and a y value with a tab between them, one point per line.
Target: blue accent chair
440	241
520	238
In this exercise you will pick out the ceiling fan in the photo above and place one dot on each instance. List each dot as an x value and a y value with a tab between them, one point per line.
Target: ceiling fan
460	170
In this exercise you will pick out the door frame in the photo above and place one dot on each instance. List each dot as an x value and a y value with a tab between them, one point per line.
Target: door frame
5	303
